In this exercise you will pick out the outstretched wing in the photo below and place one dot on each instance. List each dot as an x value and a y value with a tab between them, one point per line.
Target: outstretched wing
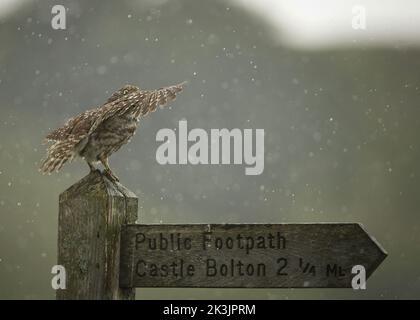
64	132
143	102
161	97
66	140
58	154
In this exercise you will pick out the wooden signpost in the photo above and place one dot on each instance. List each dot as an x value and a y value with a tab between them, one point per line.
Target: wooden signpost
106	256
319	255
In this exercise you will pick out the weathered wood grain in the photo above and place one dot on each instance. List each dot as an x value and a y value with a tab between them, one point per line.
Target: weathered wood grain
91	213
299	255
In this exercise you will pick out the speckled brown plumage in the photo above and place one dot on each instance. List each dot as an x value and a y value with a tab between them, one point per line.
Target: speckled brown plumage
95	134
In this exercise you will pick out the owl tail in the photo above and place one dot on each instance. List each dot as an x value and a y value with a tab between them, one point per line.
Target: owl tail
57	155
161	97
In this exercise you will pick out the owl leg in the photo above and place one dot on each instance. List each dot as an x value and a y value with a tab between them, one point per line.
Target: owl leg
108	170
91	167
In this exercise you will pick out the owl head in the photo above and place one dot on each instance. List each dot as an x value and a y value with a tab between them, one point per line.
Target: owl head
126	90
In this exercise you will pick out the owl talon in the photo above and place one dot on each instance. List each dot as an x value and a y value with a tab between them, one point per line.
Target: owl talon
111	175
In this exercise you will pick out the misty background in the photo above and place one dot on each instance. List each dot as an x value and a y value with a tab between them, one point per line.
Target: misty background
339	106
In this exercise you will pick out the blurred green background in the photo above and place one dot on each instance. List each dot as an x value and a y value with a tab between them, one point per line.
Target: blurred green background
341	122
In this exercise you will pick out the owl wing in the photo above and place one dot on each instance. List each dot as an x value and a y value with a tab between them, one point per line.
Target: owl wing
160	97
66	140
144	102
64	132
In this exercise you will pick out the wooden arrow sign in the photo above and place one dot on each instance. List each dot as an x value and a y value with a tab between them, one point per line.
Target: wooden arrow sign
319	255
